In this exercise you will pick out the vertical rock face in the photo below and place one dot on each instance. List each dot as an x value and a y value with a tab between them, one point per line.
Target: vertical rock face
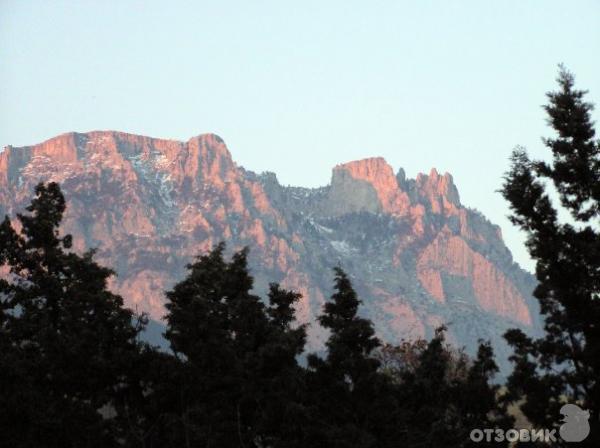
450	256
367	185
417	256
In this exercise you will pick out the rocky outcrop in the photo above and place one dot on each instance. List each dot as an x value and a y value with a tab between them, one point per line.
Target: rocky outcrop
450	256
366	185
417	256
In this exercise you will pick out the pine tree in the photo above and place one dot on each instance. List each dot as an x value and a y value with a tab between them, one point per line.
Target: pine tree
353	404
563	365
66	342
445	394
281	416
426	395
240	384
199	332
489	409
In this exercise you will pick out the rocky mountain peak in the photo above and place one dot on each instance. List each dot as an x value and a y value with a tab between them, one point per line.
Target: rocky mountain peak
417	257
374	170
367	185
208	158
439	191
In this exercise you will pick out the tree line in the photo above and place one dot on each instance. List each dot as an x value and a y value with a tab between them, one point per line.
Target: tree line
74	371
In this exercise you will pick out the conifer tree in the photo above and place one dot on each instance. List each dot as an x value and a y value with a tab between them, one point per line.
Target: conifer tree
427	395
445	394
199	332
353	403
283	416
66	342
563	365
240	376
480	396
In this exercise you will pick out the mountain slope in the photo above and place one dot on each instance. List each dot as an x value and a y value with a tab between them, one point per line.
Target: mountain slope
417	256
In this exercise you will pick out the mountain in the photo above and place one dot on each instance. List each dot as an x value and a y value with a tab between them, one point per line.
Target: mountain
418	257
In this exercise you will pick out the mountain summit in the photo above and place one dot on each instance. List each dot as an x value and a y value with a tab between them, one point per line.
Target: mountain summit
417	256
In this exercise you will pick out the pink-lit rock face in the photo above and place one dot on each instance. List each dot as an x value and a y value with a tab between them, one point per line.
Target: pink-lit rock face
373	175
440	191
450	254
431	280
417	257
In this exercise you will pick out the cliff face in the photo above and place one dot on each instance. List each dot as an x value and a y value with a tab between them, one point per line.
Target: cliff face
417	256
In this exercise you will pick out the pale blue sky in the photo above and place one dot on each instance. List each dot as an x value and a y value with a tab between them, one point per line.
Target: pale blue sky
297	87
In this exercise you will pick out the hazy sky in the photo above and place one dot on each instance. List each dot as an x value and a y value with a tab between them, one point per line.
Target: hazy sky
297	87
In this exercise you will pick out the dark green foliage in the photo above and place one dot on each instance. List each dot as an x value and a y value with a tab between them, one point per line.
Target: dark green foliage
283	414
564	365
444	394
353	404
241	383
352	338
66	342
